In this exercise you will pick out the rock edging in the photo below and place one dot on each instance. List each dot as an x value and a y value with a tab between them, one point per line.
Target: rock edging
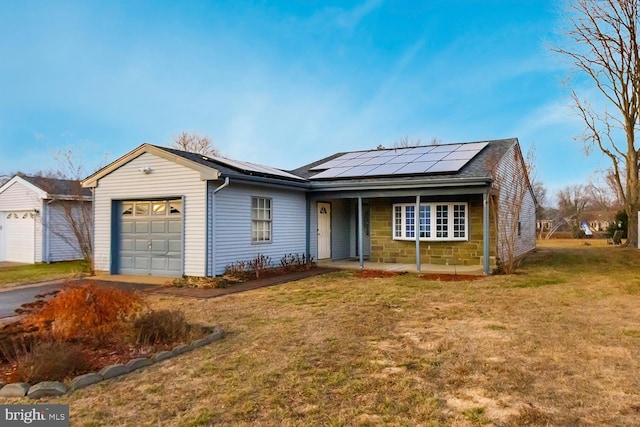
57	388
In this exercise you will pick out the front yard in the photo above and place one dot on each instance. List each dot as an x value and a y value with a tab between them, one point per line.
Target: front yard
557	344
19	274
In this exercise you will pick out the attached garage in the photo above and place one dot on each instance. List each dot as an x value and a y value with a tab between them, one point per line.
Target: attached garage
151	237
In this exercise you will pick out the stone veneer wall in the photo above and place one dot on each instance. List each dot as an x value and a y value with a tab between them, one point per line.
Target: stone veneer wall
385	249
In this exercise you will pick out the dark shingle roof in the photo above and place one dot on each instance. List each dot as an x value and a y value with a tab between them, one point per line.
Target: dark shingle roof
58	187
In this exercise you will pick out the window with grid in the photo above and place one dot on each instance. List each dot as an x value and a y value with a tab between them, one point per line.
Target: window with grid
434	221
260	219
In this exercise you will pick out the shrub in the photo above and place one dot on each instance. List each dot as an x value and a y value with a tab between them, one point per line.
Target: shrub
85	311
51	361
161	327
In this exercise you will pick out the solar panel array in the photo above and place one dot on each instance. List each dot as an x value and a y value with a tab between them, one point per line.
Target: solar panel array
253	167
447	158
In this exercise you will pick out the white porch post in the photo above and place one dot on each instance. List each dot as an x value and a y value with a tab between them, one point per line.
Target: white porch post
416	225
360	228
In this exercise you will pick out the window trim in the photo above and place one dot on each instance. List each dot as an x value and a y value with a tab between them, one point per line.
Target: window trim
431	226
255	221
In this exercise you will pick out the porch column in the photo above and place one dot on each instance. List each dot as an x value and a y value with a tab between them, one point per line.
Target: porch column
485	232
360	228
416	225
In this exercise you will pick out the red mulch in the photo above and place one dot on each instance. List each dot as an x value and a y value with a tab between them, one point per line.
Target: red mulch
379	274
450	277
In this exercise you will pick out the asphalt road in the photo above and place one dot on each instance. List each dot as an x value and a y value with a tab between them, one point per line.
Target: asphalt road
11	299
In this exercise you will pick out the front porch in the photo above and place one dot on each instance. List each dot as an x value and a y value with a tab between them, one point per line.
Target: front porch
354	264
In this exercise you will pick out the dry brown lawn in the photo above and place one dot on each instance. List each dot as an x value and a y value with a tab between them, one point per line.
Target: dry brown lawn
557	344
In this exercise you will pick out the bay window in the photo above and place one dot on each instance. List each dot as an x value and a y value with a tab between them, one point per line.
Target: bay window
433	221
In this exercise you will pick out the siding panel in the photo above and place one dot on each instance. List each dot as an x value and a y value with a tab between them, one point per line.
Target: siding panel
233	224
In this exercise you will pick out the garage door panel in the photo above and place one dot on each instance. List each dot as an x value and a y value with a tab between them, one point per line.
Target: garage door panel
159	227
175	226
151	239
175	246
127	244
141	245
175	264
141	227
159	245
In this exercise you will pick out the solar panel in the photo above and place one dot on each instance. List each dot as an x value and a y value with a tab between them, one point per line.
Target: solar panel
431	157
447	166
253	167
445	158
406	158
415	167
446	148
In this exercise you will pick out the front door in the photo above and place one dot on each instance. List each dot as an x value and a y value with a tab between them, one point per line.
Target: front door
324	230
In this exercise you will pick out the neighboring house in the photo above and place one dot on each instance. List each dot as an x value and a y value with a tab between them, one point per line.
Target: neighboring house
35	223
162	211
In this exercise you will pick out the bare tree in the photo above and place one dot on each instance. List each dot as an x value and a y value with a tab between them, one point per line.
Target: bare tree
511	183
406	142
195	143
602	43
572	201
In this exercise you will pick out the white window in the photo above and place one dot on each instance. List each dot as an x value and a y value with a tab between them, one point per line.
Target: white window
260	219
435	221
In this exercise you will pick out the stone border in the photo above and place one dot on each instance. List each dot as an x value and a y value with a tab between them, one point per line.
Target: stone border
57	388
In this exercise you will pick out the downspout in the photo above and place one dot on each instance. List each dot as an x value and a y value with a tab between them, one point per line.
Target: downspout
485	232
416	225
360	228
35	236
308	228
213	225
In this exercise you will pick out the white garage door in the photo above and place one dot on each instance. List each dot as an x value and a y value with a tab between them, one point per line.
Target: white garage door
17	236
151	238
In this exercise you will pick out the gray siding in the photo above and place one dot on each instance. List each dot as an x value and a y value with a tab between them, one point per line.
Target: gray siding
60	242
232	234
166	180
341	230
515	204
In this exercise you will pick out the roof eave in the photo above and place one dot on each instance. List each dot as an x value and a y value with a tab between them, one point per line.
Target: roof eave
399	184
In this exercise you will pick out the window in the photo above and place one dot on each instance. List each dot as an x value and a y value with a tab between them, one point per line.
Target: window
435	221
260	220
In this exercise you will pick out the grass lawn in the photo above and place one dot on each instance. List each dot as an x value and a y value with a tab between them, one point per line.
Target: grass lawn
32	273
557	344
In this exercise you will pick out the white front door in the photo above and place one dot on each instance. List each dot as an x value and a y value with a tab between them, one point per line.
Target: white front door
324	230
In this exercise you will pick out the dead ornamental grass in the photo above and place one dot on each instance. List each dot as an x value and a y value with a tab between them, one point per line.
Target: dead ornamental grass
556	345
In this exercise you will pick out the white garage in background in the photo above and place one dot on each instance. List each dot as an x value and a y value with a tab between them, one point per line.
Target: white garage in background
36	222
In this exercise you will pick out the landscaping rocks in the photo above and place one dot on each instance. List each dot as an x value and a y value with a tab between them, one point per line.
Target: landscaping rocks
56	388
162	355
199	343
113	371
85	380
181	348
138	363
15	390
47	388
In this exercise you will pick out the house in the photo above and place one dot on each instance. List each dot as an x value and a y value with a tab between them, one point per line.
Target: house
38	216
162	211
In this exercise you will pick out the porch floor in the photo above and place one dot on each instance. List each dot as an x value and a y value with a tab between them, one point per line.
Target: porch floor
385	266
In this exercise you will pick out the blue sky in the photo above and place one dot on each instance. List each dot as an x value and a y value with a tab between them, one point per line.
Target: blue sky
283	83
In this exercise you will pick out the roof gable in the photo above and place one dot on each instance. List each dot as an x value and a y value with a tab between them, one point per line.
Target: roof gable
207	172
50	188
